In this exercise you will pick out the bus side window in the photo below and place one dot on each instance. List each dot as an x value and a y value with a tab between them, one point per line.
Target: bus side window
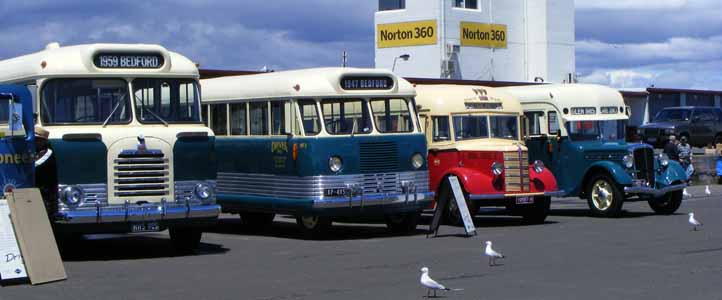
441	129
534	121
553	122
259	118
219	119
239	119
309	116
204	114
282	117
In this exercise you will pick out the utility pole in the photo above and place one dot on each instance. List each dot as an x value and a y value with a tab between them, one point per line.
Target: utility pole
345	58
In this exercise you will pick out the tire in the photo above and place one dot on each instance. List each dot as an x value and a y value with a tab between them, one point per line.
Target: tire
537	213
604	197
313	227
452	214
257	221
185	240
666	204
403	223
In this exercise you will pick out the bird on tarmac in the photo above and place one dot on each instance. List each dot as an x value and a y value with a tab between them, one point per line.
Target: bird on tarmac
493	255
686	194
707	191
430	284
692	221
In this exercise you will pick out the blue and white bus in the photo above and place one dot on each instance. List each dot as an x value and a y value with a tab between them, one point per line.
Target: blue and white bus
318	144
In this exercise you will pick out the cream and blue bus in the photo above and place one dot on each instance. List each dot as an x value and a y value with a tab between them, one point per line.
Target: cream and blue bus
318	144
124	123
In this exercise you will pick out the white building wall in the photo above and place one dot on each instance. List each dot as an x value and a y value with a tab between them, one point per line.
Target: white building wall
540	40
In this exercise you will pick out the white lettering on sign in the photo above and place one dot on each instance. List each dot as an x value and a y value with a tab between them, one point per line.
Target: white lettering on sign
11	262
110	61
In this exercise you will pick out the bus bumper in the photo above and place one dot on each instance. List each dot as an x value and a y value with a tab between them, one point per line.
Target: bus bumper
134	213
408	199
652	191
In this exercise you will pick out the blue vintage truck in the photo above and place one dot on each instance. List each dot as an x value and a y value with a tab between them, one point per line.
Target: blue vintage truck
578	131
16	138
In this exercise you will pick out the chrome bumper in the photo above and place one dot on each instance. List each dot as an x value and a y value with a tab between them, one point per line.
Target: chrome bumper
150	212
652	191
555	194
374	200
502	196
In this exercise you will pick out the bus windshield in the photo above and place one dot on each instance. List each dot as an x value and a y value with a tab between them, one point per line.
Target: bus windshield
343	116
612	130
471	127
166	100
85	101
392	115
672	115
504	127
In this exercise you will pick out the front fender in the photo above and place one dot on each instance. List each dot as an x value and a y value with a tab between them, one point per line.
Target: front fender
615	170
673	173
546	178
473	182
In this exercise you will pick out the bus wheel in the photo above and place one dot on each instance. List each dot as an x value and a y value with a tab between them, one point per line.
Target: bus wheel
604	197
452	214
185	240
257	221
666	204
537	213
403	223
313	226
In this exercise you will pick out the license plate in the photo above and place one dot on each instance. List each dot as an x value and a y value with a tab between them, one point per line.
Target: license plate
524	200
144	227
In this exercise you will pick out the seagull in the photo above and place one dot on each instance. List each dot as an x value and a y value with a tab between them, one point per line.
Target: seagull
686	194
707	191
493	255
692	221
430	284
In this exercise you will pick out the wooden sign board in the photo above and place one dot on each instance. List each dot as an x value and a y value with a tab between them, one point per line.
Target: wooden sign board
11	262
35	236
443	202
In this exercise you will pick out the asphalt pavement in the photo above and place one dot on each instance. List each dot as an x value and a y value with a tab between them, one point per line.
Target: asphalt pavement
572	256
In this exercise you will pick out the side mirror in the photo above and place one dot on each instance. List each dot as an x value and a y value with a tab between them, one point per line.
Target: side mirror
12	112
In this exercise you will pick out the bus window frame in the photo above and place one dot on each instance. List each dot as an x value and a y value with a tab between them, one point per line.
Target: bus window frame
316	106
197	95
292	119
211	117
230	128
41	100
387	114
543	125
364	103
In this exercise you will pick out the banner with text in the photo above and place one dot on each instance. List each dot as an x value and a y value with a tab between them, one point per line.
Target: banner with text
483	35
406	34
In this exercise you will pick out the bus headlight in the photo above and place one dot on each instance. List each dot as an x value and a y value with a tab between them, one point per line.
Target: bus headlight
72	196
628	161
203	191
335	164
497	168
538	166
663	160
417	161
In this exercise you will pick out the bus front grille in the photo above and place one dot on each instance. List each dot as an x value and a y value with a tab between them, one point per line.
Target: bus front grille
379	157
644	164
516	171
141	174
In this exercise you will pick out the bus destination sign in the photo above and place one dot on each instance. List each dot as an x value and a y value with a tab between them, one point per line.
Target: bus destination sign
351	83
116	60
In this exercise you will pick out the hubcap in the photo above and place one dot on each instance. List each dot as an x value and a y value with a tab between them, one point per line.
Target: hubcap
309	222
602	196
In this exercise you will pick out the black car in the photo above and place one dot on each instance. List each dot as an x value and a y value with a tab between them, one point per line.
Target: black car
700	124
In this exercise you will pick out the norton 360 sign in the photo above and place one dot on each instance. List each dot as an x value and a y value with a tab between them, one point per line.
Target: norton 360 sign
406	34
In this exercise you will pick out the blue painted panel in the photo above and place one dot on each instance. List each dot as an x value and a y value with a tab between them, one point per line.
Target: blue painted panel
17	153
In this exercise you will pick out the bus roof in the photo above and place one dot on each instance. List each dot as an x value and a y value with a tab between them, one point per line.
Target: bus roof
445	99
568	96
78	61
319	82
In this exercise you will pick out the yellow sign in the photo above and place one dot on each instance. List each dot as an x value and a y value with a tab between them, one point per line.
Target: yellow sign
483	35
406	34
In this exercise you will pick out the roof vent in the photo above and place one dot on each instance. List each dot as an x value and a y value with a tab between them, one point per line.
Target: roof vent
53	45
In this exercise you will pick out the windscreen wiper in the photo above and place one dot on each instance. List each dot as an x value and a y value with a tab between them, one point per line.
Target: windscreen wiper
156	116
105	123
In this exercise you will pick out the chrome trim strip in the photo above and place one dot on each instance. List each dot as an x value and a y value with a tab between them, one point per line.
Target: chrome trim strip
652	191
555	194
137	213
502	196
373	200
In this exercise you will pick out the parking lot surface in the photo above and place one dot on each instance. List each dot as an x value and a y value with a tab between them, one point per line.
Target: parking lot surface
572	256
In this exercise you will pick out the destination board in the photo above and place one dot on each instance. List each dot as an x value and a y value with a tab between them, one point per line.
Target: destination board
483	35
117	60
351	83
406	34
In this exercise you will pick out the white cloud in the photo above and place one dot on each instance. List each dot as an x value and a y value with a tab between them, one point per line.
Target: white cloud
688	75
629	4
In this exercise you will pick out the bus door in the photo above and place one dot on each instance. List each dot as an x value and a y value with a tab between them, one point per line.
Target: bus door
543	138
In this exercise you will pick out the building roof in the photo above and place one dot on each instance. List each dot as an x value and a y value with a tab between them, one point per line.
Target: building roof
320	82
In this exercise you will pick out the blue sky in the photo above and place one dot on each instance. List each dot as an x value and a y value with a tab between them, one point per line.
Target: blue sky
623	43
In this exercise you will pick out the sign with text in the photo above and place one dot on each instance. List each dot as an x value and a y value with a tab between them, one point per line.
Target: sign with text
117	60
483	35
11	262
406	34
461	204
351	83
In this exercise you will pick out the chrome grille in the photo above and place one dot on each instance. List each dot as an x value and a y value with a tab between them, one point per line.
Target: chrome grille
380	157
381	183
644	164
141	173
516	171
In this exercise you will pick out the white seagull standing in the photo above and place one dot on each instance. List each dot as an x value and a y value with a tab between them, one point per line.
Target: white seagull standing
493	255
694	222
707	191
430	284
686	194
